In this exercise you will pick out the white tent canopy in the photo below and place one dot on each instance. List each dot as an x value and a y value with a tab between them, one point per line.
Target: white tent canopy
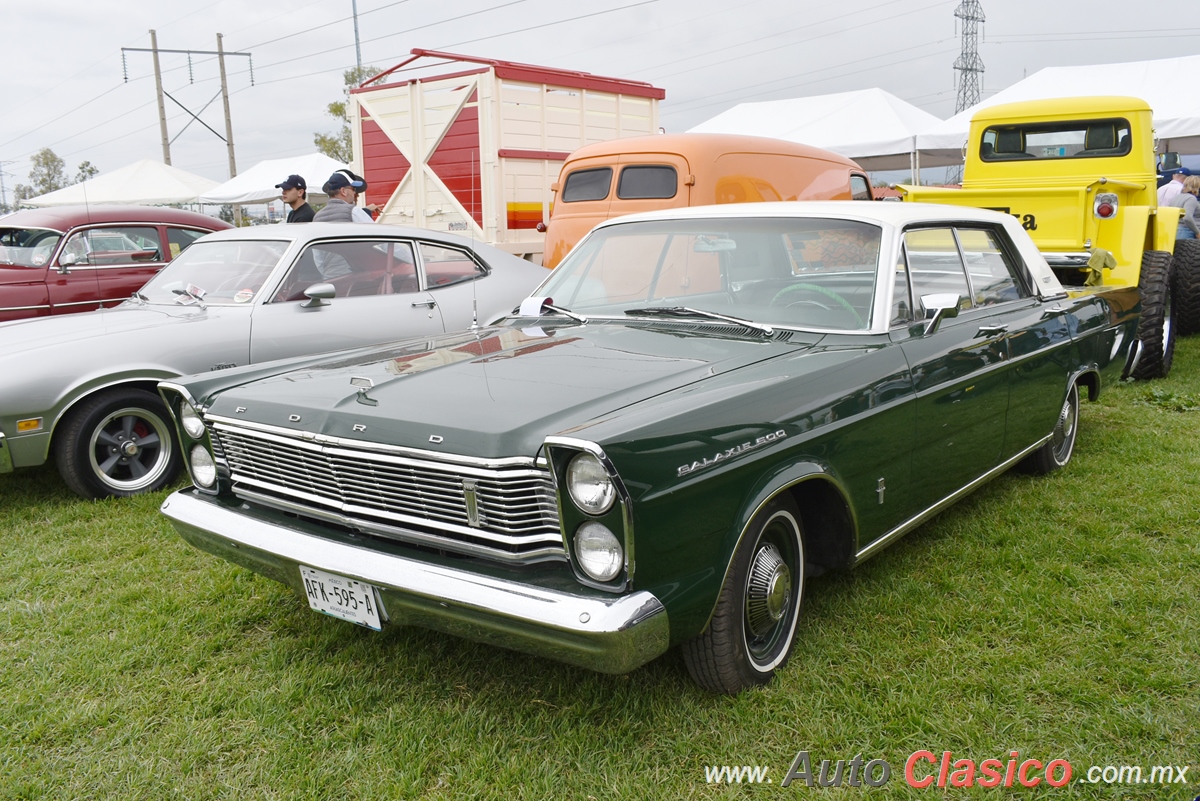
1162	83
257	184
871	126
147	183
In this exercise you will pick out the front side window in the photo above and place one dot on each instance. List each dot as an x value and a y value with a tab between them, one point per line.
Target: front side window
113	246
646	181
445	266
27	247
225	273
859	189
1056	140
587	185
356	269
794	272
934	265
902	304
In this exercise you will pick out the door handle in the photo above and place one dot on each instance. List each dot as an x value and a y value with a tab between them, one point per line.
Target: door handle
990	331
429	304
1053	311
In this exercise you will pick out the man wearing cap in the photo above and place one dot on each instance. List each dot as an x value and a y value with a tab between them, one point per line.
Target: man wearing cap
343	188
1171	189
295	195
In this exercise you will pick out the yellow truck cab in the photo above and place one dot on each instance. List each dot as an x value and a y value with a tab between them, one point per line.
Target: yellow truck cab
644	173
1080	174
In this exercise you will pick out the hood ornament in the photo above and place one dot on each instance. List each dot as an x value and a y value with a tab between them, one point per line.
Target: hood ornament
363	385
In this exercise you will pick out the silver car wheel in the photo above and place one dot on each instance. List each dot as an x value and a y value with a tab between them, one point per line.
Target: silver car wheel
130	449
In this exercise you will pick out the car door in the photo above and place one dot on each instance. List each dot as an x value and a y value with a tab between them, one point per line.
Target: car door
958	370
379	296
124	257
71	283
1036	333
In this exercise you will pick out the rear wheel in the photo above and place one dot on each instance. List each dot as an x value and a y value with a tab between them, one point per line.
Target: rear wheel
1187	286
1057	452
753	627
117	443
1156	329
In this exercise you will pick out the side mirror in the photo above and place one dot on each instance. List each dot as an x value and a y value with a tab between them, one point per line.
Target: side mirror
318	294
1170	162
939	307
65	261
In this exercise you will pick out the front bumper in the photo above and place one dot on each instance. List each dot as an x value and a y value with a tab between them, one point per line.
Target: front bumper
607	634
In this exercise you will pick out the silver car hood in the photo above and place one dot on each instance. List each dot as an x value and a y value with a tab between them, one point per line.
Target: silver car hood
23	335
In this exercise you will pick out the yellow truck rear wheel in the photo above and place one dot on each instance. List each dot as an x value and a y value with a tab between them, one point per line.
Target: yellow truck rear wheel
1156	327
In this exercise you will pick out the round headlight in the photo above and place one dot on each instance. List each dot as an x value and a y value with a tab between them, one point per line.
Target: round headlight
598	551
204	469
589	484
192	423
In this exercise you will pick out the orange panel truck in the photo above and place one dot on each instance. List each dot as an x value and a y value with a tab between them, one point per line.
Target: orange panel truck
626	176
471	145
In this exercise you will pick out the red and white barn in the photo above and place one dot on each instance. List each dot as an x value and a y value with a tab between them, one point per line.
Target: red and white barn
476	149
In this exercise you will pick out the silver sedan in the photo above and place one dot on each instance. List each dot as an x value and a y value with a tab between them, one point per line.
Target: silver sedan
81	388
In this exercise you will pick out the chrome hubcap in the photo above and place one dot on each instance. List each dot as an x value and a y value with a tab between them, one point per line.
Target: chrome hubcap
768	591
130	449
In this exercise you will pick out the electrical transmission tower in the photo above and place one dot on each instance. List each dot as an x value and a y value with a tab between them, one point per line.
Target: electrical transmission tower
968	65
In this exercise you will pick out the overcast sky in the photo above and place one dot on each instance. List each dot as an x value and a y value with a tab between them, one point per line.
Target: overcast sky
64	86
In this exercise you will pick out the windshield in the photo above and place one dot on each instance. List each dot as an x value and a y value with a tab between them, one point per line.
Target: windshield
223	273
27	247
792	272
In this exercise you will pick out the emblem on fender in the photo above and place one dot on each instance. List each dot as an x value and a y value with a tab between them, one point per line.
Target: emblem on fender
729	453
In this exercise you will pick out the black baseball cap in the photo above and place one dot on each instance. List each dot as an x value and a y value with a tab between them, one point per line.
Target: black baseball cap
341	179
292	182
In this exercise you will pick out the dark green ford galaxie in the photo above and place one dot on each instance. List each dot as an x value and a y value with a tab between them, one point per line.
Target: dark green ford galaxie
699	409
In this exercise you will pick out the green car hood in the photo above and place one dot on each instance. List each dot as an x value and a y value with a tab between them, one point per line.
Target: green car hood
497	392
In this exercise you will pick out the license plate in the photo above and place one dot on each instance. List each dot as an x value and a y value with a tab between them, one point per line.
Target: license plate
340	597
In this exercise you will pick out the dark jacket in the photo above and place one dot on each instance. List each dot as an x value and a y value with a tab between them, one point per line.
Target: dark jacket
303	214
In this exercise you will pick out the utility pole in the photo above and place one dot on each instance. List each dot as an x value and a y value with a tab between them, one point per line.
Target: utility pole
969	66
357	50
3	192
162	109
237	209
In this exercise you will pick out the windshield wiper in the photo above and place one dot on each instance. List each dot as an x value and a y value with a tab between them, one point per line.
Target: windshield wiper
579	318
686	311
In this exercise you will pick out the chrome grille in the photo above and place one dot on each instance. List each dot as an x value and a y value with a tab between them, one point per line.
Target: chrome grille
398	493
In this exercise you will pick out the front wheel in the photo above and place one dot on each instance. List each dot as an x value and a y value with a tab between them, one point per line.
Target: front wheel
753	628
1155	328
1057	451
117	443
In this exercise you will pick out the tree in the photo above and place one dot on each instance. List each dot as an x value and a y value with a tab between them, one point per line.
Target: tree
48	172
86	171
338	146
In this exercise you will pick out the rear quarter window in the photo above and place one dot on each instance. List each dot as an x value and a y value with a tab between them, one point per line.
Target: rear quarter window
647	181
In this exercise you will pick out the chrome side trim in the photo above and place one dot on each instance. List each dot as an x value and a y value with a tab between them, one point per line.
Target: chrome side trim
6	465
418	453
24	308
610	634
919	518
77	303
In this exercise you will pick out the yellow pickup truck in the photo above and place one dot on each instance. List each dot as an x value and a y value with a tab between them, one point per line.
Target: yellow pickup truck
1080	175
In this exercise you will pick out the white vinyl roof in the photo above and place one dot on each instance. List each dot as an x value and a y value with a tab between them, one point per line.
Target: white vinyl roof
144	183
1162	83
871	126
257	184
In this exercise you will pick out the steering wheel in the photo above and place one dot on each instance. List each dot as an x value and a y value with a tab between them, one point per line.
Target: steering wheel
829	300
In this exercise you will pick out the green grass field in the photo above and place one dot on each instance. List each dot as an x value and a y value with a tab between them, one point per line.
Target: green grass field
1058	617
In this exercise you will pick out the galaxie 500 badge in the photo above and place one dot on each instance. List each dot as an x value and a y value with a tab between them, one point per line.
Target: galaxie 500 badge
729	453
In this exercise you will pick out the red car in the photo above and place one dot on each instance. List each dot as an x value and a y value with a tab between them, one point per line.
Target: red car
80	258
